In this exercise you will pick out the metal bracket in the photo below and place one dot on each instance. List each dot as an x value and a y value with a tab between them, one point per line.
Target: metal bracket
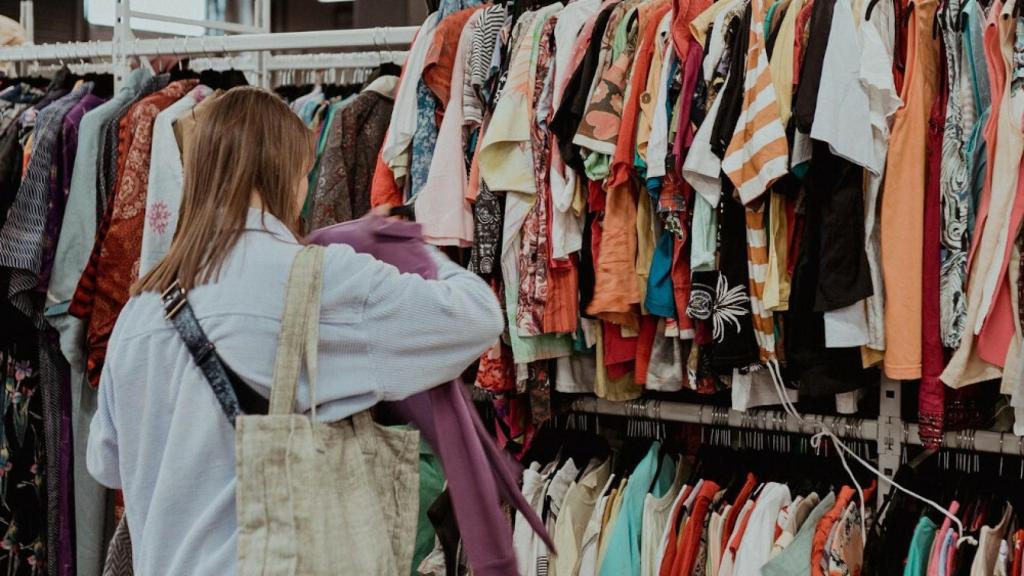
890	433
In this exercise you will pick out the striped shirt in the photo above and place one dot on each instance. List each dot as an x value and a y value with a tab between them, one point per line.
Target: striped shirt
757	267
758	153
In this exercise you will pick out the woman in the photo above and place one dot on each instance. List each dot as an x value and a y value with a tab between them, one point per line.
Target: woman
159	433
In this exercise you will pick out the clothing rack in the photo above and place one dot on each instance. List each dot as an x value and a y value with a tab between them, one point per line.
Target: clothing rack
256	43
255	39
889	431
337	60
778	421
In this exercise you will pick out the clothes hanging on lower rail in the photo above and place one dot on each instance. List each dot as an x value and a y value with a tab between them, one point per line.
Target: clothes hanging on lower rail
646	512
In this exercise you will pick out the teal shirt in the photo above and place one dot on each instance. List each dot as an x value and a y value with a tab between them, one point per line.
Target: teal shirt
795	560
704	246
622	557
920	548
974	52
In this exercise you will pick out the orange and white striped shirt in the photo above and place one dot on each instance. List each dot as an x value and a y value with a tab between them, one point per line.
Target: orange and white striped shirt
758	153
757	268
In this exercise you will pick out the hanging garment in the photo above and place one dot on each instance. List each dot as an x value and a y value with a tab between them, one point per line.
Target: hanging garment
986	559
920	546
164	188
966	365
24	510
622	554
795	560
579	505
756	546
876	75
119	552
903	199
353	140
24	231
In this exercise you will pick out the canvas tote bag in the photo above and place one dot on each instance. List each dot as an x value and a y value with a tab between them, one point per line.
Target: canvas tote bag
317	498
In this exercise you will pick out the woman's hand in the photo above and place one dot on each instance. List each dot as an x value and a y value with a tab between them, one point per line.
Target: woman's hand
384	210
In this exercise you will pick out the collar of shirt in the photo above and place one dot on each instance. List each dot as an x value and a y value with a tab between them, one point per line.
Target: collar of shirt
258	220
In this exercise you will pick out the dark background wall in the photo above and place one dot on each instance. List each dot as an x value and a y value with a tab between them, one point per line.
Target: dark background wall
64	20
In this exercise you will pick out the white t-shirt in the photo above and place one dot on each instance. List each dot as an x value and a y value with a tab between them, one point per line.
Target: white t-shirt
759	537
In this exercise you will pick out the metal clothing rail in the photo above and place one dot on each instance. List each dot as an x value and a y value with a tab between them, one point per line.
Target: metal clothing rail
256	39
338	60
767	420
382	39
778	421
57	51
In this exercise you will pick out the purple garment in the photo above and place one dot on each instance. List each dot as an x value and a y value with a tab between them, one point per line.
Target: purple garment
61	165
684	134
62	160
478	472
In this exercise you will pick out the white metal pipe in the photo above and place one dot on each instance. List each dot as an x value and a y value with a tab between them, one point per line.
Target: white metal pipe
329	61
27	20
380	38
77	68
262	11
57	51
245	63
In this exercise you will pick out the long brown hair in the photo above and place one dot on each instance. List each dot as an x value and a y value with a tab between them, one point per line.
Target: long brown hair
249	141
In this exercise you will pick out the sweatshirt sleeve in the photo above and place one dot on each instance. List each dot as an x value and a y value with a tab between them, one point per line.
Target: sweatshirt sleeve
102	456
420	333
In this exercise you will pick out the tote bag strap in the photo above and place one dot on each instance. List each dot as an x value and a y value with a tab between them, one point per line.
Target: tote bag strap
300	332
366	430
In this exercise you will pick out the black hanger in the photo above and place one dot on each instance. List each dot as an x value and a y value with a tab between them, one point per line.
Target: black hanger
182	72
102	84
212	78
657	469
233	78
404	211
545	447
385	69
871	6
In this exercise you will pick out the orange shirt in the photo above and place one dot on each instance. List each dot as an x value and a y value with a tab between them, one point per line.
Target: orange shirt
689	543
384	191
903	200
825	527
737	506
440	60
